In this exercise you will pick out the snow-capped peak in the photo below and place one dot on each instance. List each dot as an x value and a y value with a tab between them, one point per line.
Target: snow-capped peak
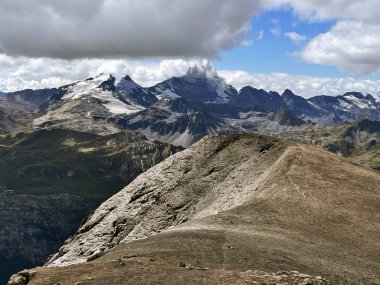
100	87
358	100
86	87
214	82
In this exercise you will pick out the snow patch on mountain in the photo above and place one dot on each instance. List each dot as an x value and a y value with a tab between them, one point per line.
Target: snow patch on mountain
360	103
91	88
165	93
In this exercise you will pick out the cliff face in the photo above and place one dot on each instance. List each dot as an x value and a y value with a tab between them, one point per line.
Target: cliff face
32	227
230	208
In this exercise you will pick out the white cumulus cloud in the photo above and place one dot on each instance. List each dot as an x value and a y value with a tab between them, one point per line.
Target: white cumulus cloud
22	73
353	43
350	45
306	86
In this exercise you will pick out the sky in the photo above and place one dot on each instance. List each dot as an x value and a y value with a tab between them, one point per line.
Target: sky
312	47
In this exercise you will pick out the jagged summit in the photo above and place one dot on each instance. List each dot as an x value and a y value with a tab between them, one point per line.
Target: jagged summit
128	78
109	84
133	93
101	87
200	83
285	118
249	96
288	92
84	106
127	84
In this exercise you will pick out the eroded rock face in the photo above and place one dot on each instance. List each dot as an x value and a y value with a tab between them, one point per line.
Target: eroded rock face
187	185
32	227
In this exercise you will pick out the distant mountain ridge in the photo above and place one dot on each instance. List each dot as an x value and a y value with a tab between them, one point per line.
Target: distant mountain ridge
199	85
104	105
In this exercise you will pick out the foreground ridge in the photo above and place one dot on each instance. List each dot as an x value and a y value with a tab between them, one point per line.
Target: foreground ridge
225	207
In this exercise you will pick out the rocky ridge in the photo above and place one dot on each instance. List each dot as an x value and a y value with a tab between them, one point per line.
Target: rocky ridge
271	206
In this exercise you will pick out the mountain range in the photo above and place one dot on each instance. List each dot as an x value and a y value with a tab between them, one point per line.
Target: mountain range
71	148
183	109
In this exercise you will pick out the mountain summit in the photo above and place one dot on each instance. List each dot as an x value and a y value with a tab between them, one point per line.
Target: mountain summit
200	83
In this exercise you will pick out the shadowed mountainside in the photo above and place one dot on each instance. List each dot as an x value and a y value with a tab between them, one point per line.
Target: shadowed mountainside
51	180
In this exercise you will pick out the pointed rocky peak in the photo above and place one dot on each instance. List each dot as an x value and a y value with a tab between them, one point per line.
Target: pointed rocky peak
288	93
200	83
246	89
133	93
128	78
298	105
285	118
293	100
109	84
249	97
251	91
127	85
